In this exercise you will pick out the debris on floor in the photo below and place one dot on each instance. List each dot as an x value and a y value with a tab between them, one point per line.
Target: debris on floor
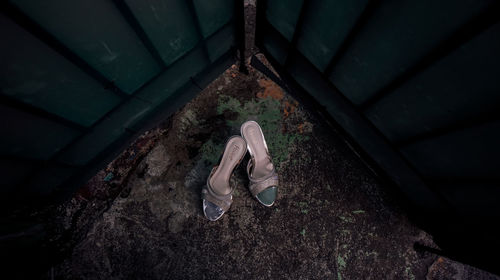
332	220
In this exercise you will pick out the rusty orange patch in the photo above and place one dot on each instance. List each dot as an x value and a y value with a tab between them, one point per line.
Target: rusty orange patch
270	90
289	108
301	128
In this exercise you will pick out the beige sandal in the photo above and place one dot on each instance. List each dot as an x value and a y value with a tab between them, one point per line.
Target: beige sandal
260	169
217	194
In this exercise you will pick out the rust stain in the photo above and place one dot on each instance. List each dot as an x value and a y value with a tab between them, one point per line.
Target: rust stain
289	108
301	128
270	90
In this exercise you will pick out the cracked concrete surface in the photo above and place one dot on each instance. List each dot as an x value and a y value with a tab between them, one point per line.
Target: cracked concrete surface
141	217
332	219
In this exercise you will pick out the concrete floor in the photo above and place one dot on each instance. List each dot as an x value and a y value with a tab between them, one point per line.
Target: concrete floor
141	217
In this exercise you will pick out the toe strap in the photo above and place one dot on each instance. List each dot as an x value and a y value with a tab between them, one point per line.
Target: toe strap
256	186
223	201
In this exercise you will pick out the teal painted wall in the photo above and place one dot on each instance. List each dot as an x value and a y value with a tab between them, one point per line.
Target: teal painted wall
414	83
77	77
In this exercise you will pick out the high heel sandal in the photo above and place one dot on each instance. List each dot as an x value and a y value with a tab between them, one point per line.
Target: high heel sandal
260	169
217	194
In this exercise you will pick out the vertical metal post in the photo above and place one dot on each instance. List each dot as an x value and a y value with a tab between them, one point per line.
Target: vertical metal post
239	13
260	22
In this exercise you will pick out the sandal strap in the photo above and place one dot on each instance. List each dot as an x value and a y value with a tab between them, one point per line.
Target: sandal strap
257	185
223	201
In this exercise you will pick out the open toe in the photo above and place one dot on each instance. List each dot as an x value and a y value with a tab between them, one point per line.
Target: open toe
212	211
267	196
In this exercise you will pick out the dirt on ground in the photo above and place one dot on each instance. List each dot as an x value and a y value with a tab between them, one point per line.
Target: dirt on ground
141	217
332	219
